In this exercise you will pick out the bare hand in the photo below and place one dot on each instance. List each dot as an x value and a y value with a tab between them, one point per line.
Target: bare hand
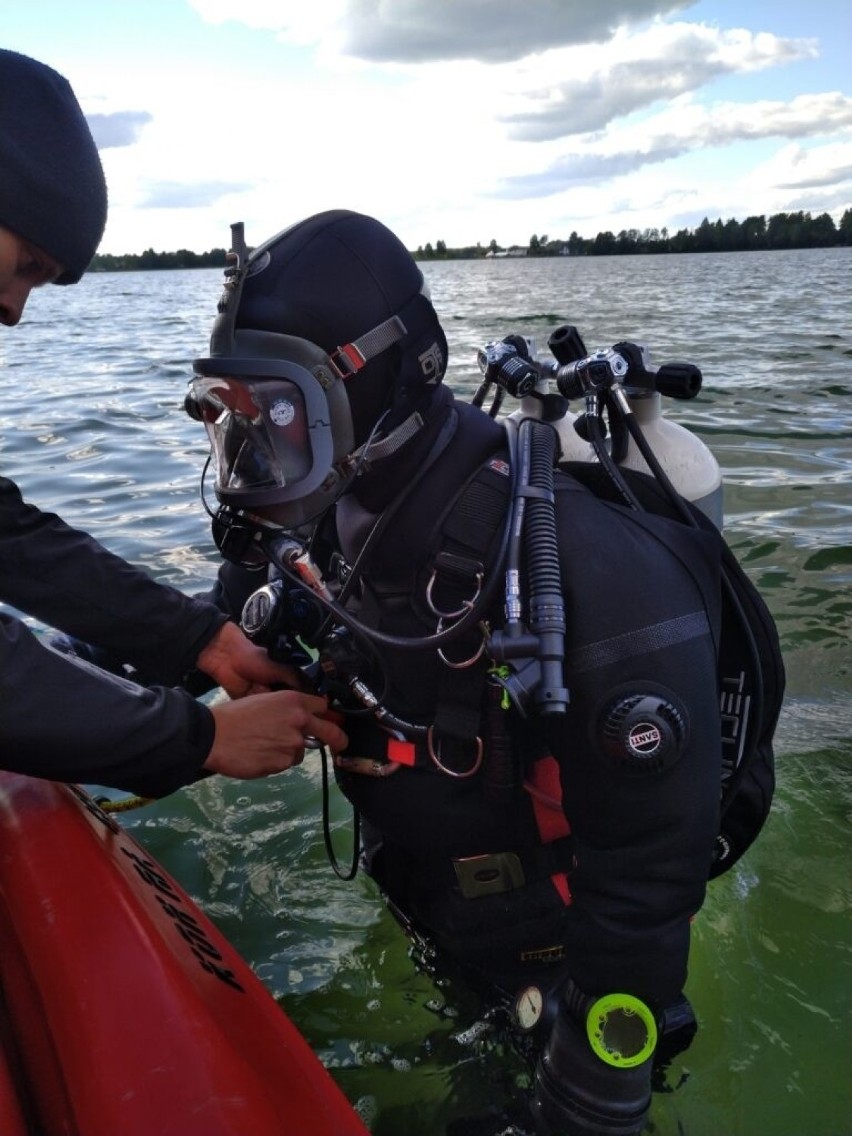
240	667
266	733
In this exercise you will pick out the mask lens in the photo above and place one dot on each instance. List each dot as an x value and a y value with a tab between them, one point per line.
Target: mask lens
258	431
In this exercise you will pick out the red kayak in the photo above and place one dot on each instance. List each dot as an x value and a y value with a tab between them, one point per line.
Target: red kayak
122	1009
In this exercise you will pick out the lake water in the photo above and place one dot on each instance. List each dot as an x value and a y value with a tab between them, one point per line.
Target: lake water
93	427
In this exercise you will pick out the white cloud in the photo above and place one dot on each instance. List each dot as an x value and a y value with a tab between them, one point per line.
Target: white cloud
421	31
303	23
119	129
683	128
795	167
636	71
180	195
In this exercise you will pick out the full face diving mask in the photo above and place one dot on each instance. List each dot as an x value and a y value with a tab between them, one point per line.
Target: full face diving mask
276	410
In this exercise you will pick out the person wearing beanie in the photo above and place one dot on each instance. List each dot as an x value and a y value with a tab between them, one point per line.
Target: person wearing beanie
61	717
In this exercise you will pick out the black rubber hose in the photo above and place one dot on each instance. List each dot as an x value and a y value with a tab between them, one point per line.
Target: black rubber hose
546	602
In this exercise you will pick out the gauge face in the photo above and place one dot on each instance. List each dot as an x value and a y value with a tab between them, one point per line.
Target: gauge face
282	412
528	1007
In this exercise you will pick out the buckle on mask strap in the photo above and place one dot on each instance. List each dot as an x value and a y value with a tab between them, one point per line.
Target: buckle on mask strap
351	357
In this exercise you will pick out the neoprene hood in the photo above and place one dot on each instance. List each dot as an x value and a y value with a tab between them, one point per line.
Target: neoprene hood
333	277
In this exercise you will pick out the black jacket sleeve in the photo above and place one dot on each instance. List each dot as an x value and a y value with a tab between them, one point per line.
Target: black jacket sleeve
64	719
64	578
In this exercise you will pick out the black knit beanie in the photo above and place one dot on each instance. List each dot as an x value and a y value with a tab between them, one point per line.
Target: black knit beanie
52	188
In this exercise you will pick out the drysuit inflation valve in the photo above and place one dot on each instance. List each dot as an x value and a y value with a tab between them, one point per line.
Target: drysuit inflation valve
644	732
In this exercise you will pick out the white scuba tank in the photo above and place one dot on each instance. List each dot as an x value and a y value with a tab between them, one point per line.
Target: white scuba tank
573	447
686	460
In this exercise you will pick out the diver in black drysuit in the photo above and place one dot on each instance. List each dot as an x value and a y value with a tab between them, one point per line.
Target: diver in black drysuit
565	850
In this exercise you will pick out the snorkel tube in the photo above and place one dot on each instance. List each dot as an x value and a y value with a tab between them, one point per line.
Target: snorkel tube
236	267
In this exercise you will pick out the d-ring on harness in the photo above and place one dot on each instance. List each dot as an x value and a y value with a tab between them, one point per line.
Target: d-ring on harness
445	559
455	588
436	757
465	606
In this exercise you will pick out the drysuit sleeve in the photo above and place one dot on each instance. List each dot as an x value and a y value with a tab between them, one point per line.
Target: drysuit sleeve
640	747
66	720
66	579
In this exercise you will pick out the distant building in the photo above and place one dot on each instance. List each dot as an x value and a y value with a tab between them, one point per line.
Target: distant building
515	250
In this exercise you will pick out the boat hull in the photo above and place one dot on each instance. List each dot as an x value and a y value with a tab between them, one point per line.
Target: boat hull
122	1008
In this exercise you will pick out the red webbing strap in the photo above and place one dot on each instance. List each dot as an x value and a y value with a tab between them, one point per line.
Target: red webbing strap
545	789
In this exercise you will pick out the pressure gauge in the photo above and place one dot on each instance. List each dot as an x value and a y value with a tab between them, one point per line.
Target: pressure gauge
528	1007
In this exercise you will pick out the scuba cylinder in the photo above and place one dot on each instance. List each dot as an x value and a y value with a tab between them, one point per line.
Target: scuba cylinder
684	458
540	404
687	461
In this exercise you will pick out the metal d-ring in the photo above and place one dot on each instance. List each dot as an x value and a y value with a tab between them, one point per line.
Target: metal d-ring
465	663
466	604
477	761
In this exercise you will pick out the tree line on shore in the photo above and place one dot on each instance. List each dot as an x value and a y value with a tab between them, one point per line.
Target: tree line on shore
135	262
780	231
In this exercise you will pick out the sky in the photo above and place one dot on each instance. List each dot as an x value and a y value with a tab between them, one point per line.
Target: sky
464	121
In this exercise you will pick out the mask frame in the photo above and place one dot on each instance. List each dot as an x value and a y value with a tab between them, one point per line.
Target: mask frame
267	357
